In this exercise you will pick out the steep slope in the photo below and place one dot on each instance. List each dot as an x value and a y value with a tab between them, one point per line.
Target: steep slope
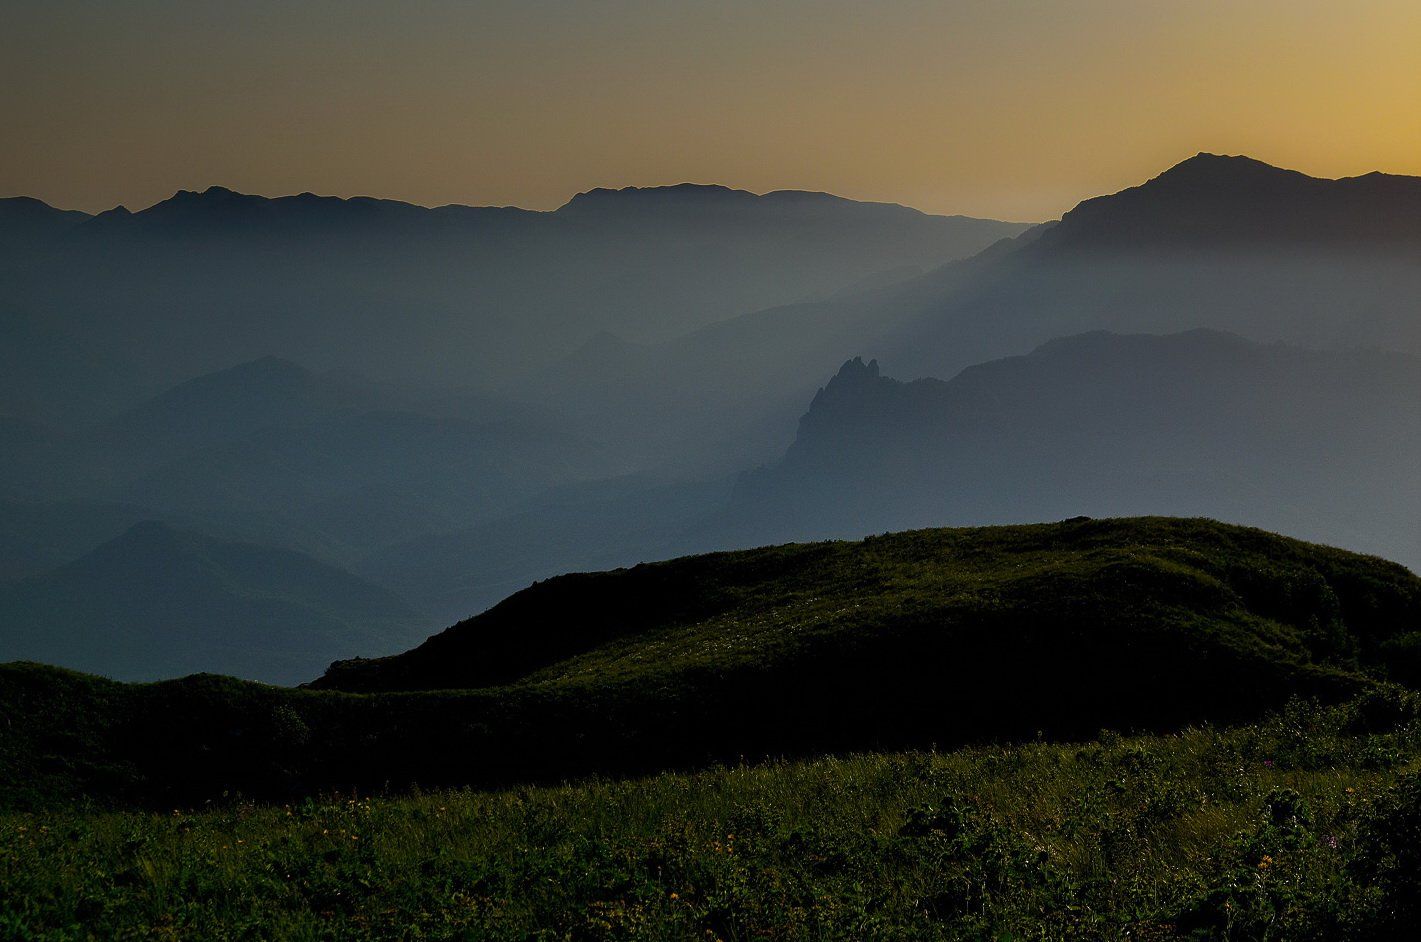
158	602
1316	444
912	639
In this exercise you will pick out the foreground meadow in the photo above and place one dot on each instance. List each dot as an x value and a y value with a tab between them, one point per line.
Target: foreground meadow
1307	825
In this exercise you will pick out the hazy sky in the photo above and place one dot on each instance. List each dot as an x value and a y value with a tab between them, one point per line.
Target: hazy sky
1000	108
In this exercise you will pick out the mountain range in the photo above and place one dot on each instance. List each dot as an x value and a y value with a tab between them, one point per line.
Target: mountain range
444	405
452	294
1226	243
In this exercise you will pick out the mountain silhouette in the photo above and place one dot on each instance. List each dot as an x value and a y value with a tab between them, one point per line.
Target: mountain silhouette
411	293
1226	243
1210	200
29	228
1311	443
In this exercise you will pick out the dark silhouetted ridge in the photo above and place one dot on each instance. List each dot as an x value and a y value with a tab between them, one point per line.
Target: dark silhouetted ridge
906	640
681	196
1213	201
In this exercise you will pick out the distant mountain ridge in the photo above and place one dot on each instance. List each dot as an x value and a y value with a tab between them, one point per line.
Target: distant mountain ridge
29	226
1225	243
410	293
1209	199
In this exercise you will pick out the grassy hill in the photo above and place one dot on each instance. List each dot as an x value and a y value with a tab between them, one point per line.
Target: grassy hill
1302	827
908	640
1124	603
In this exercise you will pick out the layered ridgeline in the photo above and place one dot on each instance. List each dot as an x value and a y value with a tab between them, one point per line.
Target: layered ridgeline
1226	243
158	602
1321	445
1317	444
913	639
329	463
203	279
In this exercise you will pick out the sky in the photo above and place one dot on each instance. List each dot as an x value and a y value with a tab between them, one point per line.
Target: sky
999	108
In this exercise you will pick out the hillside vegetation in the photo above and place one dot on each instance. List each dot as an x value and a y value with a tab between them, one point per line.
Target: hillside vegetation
1303	827
909	640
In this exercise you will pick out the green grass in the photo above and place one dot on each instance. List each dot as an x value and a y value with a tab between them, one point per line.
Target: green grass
1245	588
1291	828
1288	807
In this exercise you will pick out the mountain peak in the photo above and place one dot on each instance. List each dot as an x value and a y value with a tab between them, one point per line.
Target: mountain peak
1225	172
853	392
1213	200
676	196
207	195
857	369
146	539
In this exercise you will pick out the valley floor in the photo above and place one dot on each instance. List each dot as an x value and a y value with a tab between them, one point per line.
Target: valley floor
1304	826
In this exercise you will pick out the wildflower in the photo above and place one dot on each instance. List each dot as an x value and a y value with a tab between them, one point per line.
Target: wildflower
1268	763
1265	863
675	895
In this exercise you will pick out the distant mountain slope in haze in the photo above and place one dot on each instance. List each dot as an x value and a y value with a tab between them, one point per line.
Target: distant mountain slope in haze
452	574
366	478
1226	243
37	536
1318	444
231	404
54	377
403	291
157	602
327	463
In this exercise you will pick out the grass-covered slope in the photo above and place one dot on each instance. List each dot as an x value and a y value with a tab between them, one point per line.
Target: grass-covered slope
1128	603
907	640
1304	827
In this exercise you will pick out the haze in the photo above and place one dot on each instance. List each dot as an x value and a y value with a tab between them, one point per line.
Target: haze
1008	110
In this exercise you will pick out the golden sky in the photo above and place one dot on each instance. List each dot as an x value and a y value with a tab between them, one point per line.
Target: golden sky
1008	109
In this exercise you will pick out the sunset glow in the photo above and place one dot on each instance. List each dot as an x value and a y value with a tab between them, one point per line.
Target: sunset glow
1007	109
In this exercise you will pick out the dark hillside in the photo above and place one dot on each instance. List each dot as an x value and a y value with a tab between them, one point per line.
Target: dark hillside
911	639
